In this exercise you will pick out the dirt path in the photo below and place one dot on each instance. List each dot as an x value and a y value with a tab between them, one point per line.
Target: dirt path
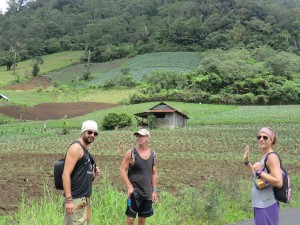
286	217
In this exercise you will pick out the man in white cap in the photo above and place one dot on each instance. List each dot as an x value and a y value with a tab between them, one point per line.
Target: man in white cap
139	172
79	172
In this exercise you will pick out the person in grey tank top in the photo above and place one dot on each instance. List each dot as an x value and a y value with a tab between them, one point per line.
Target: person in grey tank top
139	172
266	207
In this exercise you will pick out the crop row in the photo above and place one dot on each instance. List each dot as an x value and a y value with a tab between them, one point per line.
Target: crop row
206	142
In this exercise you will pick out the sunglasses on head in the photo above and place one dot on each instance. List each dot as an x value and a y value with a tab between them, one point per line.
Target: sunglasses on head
264	137
92	132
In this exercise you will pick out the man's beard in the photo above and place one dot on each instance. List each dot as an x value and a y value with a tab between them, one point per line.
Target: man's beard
87	141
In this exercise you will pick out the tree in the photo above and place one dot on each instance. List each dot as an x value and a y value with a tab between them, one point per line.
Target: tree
37	61
15	6
16	51
281	64
204	7
295	31
7	59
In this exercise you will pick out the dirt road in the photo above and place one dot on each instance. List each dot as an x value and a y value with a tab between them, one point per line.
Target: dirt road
286	217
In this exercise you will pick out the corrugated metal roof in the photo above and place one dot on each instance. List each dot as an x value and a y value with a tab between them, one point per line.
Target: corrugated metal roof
160	108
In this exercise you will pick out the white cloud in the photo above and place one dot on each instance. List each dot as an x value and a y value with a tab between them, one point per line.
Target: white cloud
3	5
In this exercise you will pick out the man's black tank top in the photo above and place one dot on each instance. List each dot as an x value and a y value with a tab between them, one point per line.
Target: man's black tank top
140	175
82	175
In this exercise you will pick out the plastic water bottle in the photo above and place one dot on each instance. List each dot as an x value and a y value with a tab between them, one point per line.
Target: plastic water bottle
129	202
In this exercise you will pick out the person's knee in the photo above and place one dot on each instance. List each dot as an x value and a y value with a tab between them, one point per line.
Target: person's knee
129	221
142	221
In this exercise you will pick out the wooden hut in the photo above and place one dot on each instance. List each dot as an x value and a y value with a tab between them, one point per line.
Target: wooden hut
163	116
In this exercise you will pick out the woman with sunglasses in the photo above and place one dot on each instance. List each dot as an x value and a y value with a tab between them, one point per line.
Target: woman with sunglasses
266	207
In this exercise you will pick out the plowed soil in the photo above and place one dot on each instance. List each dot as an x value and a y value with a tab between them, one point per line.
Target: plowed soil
26	173
36	82
48	111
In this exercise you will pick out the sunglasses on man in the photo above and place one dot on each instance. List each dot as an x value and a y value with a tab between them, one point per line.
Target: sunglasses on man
89	132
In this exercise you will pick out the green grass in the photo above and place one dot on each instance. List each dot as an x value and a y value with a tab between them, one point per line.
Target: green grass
142	65
217	203
34	97
75	72
194	111
138	67
51	62
251	115
220	200
199	114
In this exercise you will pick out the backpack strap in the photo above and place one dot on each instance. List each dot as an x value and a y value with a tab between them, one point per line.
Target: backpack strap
266	158
133	157
154	158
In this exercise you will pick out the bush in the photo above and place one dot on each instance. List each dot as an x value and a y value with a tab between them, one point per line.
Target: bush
113	120
137	98
65	128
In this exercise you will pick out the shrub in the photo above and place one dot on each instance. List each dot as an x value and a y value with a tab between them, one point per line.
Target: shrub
65	128
137	98
113	120
120	81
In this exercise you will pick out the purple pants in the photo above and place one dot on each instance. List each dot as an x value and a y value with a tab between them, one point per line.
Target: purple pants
267	216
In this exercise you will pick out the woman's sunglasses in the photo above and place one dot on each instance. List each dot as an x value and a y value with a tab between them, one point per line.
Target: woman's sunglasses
264	137
92	132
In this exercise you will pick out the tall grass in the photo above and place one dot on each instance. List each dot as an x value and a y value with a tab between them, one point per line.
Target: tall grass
216	203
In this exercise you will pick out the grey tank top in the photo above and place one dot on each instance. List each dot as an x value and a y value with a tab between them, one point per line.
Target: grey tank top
140	175
262	198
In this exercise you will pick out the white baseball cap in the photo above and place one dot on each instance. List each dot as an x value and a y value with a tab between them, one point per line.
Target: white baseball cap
89	125
143	132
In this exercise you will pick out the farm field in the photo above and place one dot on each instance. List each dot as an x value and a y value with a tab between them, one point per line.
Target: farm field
51	62
188	157
142	65
137	66
209	151
40	90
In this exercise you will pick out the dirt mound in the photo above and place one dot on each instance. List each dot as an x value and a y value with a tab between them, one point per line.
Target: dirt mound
36	82
46	111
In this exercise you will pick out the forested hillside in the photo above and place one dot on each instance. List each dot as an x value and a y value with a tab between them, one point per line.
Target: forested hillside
249	50
118	28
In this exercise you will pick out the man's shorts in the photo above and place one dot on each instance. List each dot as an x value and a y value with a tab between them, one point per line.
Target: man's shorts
80	213
137	205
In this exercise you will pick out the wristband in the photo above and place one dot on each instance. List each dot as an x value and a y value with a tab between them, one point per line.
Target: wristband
246	163
68	199
155	189
258	173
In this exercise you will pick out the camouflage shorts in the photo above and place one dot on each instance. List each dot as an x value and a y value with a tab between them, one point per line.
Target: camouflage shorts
81	213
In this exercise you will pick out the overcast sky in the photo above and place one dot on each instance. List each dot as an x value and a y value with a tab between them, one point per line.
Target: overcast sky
3	5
